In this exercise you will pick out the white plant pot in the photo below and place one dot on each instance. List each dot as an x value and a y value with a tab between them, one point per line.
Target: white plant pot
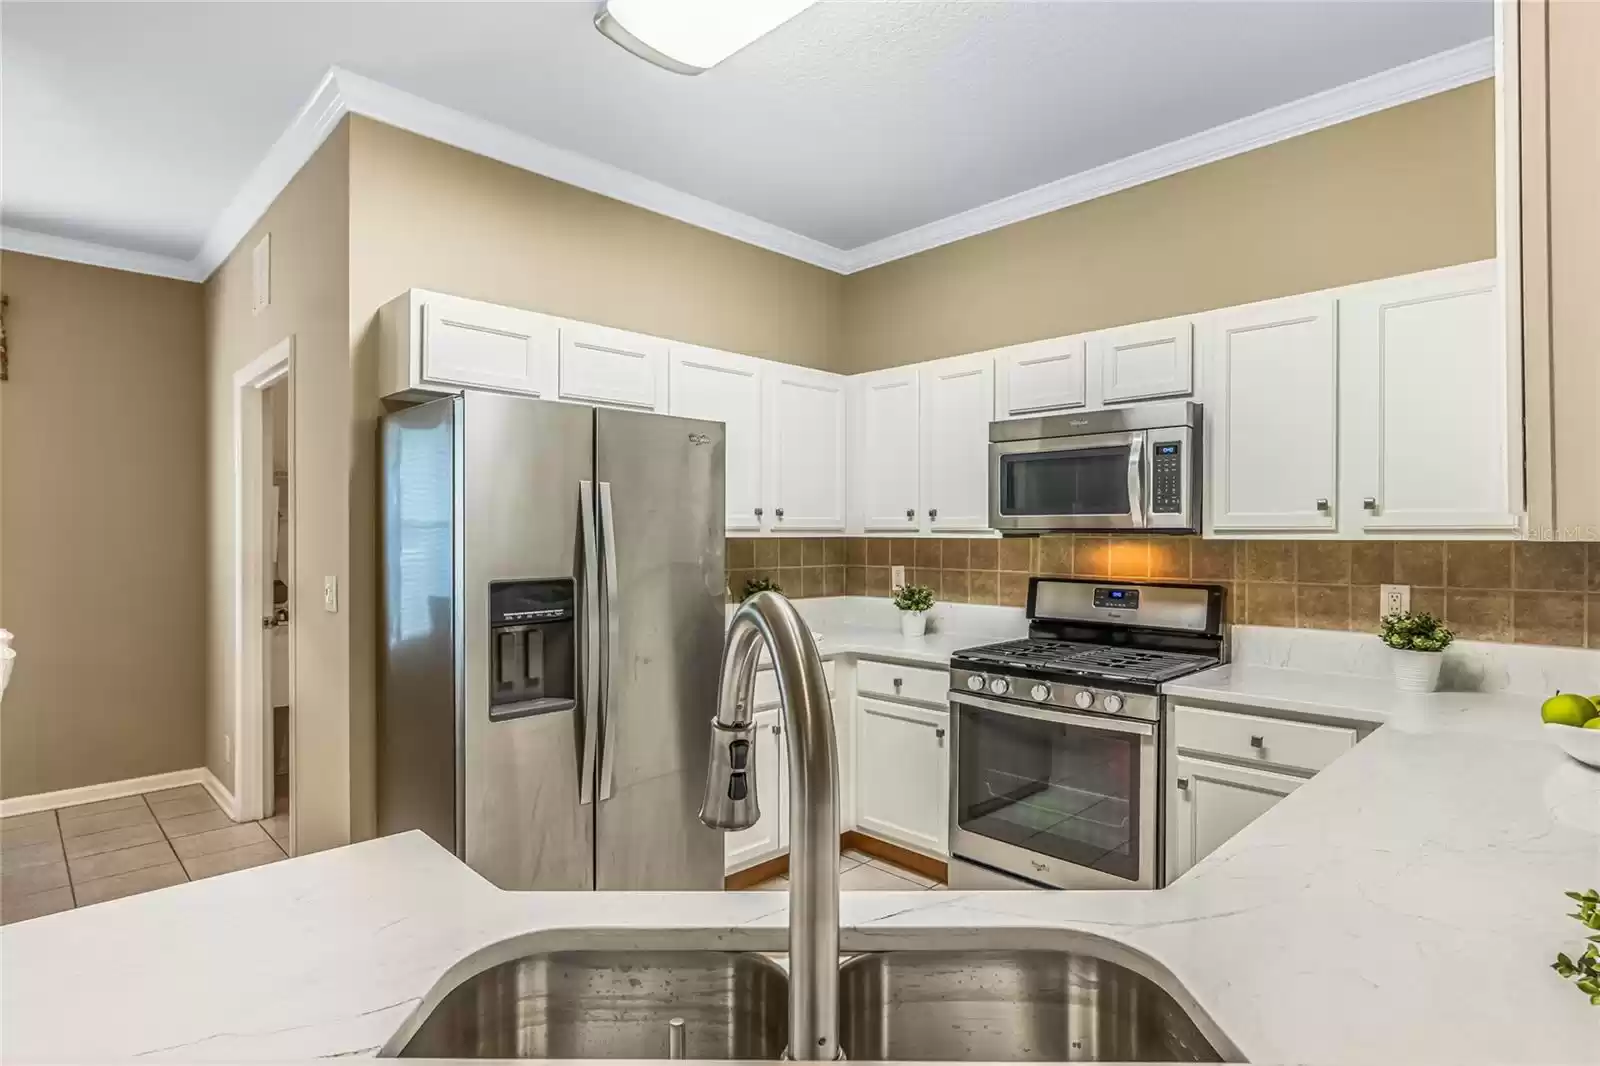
913	623
1416	671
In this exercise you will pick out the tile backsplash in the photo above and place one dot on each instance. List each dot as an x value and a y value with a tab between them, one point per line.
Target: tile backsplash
1524	592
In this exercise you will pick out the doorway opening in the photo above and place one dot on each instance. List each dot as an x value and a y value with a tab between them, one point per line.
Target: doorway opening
264	727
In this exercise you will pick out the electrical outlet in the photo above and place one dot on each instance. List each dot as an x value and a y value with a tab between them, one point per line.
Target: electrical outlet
330	594
1393	599
897	577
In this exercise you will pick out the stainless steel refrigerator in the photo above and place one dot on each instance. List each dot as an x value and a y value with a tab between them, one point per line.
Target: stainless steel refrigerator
553	620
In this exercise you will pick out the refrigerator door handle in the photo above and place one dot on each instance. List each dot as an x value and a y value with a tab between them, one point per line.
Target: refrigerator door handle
608	547
589	658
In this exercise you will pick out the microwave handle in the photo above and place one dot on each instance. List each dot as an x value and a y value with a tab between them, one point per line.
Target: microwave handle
1136	479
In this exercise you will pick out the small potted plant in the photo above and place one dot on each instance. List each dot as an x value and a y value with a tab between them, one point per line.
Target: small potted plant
1416	642
759	584
914	601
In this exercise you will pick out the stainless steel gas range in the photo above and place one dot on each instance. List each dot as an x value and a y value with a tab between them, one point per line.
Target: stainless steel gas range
1060	746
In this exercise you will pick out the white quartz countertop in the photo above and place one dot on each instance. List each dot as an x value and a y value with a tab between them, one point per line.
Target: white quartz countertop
1402	906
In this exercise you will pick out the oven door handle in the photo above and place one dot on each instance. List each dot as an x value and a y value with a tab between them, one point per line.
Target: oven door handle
1021	710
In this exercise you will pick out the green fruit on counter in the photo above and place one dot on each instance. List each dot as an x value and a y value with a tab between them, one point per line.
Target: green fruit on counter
1568	708
1593	723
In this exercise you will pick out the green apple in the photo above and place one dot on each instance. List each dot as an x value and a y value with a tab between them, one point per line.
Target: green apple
1568	708
1593	723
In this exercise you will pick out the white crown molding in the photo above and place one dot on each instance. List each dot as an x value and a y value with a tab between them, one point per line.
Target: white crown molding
91	254
340	93
1413	81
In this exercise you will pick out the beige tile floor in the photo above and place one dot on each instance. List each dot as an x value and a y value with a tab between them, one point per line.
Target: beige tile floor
860	872
56	860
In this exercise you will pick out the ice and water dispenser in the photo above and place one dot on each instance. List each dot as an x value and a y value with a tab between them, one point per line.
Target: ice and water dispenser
532	665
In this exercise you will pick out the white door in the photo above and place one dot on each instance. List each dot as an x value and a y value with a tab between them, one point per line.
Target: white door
613	367
1215	801
957	403
903	774
723	387
1145	361
1426	423
768	838
888	442
1274	416
1038	377
805	449
468	342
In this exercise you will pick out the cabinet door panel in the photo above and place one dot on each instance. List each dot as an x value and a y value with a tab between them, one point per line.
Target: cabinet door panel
1146	361
1038	377
1215	801
957	401
1275	421
806	434
903	775
466	342
887	448
1428	422
768	837
723	387
612	366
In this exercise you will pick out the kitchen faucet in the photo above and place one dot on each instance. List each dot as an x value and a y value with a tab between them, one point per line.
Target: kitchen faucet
769	620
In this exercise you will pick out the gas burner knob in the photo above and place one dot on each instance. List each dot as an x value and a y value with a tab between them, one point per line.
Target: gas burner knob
999	686
1114	703
1084	700
1040	693
975	682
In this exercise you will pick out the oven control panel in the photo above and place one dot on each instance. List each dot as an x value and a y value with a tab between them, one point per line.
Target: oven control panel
1067	696
1166	477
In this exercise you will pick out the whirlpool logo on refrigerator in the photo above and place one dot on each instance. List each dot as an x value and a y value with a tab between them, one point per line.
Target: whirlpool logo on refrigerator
699	438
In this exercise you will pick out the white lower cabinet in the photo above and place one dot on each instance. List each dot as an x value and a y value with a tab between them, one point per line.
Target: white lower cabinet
902	761
769	837
1214	801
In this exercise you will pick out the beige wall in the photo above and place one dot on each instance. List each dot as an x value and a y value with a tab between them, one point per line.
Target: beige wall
1402	190
309	224
426	215
103	511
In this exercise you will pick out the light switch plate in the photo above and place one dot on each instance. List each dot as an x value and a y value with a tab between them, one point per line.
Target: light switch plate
330	594
1393	599
897	577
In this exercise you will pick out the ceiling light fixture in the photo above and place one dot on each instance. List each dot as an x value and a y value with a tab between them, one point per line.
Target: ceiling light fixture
691	36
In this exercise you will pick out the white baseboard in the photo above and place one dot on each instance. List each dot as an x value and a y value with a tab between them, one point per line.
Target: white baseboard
71	797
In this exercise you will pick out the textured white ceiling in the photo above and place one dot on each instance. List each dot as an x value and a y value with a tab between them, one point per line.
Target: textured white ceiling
133	124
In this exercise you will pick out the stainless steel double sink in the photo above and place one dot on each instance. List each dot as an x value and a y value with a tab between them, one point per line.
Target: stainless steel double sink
985	1005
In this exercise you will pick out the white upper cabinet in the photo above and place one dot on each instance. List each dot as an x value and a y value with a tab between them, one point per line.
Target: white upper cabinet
957	398
612	366
1038	377
1145	361
722	387
1273	416
887	445
805	449
1427	418
437	343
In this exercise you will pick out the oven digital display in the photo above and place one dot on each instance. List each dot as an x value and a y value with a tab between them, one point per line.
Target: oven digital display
1121	599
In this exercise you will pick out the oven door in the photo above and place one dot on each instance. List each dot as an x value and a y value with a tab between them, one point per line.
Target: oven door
1066	800
1090	482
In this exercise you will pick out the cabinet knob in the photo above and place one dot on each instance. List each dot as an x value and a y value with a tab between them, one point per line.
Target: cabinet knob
779	512
933	512
939	732
1322	503
1258	742
911	514
1369	502
759	512
897	683
1183	784
777	730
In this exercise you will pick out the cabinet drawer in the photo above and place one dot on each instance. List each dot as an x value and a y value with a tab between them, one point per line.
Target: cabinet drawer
1252	739
903	682
767	685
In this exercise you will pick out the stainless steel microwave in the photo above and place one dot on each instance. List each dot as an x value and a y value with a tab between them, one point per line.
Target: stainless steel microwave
1136	467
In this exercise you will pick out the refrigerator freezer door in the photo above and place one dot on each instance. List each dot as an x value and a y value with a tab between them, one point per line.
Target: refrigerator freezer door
662	533
525	824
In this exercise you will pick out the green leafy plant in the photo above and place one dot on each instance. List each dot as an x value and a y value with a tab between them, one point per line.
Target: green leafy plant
1585	969
759	584
1418	631
913	598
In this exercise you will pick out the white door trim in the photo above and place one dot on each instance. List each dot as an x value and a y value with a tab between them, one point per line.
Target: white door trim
252	771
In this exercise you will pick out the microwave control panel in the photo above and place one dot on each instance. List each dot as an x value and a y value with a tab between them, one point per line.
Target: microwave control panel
1166	479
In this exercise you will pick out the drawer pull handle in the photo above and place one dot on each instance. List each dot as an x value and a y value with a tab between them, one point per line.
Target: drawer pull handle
1322	504
1258	742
